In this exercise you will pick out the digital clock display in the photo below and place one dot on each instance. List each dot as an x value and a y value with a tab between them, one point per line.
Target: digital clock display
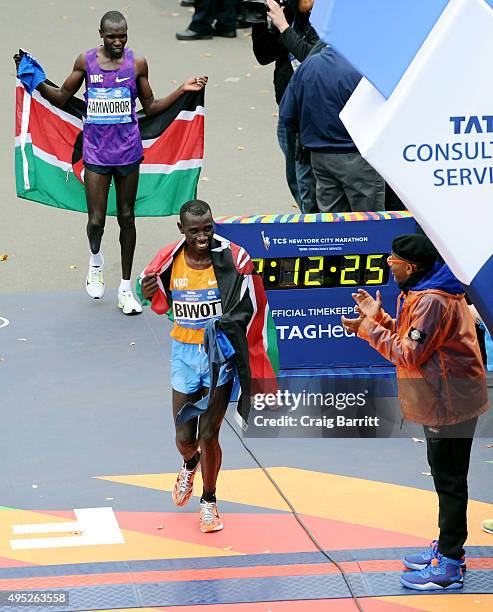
323	271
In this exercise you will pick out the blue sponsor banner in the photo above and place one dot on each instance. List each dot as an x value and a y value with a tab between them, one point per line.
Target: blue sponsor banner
311	264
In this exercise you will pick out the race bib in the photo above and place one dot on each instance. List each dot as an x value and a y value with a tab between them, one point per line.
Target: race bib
193	308
109	105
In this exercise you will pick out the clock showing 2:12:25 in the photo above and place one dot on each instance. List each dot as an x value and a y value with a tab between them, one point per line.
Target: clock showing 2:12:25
323	271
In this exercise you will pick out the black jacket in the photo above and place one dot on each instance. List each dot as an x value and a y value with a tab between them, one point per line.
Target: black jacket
269	46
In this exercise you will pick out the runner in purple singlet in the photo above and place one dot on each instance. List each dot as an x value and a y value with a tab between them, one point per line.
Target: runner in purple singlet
114	78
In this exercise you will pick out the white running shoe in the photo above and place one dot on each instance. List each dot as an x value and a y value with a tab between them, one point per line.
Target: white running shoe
128	304
95	282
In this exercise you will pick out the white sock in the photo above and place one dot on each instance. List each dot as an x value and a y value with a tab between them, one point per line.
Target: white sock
125	285
96	259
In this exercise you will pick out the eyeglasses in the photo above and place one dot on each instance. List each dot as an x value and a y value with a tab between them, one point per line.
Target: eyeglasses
392	260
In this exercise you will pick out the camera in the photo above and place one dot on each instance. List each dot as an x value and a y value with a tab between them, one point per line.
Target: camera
255	11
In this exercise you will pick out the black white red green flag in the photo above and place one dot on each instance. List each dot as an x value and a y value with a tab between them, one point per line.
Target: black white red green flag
48	154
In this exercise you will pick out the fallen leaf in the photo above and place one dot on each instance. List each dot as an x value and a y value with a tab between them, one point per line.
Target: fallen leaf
160	527
207	55
227	548
4	257
426	473
204	178
417	440
232	80
64	17
175	14
174	81
294	205
240	148
252	107
275	114
73	267
266	551
247	34
76	532
248	75
489	446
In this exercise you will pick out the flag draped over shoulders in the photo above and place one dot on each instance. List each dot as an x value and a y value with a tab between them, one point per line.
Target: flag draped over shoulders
48	154
246	320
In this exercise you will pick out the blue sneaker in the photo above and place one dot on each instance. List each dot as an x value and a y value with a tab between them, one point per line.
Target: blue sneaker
441	574
418	561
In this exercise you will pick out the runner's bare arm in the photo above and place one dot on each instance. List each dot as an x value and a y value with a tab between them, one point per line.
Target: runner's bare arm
146	97
59	96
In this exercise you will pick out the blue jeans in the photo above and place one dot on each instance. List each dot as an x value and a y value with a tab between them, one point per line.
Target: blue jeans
300	180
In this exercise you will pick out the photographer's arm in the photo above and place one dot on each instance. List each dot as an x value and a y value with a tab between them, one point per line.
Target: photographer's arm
298	46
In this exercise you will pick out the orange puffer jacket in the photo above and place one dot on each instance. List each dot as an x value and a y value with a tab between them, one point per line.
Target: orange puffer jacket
435	349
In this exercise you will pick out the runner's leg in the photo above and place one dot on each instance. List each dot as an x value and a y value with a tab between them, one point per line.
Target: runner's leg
96	187
186	434
209	426
126	192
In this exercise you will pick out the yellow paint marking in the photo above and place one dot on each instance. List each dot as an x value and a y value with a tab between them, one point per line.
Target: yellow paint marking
137	546
443	603
369	503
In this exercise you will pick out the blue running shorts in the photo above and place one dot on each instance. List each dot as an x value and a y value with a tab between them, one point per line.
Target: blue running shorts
190	368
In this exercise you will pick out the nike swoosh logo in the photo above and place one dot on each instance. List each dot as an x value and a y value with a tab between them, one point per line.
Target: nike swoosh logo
118	80
212	282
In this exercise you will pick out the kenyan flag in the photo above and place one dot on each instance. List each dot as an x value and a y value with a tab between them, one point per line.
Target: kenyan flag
48	154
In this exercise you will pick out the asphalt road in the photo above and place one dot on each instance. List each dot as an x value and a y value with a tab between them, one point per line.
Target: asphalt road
243	167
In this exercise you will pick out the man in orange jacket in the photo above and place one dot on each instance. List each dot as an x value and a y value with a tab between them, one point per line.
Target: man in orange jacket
442	385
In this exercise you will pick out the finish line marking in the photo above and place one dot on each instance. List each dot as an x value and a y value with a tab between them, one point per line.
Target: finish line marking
96	526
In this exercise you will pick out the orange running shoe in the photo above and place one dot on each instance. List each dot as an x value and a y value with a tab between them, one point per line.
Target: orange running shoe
183	489
209	517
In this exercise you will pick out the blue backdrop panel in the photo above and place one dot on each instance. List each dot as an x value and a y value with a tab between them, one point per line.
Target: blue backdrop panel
379	38
308	319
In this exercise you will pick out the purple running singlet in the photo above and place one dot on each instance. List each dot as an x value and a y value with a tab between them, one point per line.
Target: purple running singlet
111	133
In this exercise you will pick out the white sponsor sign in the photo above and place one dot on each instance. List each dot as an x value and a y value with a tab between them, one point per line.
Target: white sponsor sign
433	138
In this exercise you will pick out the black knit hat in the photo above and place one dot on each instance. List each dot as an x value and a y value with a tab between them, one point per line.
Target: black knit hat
415	249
